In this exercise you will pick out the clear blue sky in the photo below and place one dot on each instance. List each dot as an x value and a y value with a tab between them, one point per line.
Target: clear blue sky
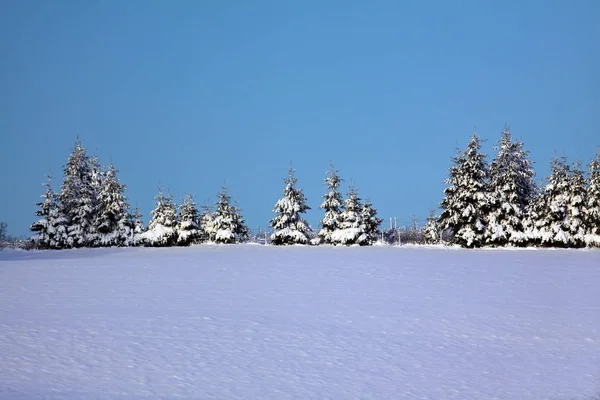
189	94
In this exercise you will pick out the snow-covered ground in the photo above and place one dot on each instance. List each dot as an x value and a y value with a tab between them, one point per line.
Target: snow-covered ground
255	322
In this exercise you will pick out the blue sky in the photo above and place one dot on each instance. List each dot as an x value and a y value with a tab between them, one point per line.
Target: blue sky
192	94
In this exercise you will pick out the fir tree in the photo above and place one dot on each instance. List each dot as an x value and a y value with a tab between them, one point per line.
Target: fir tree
50	231
548	226
162	226
188	230
97	176
208	233
371	222
352	227
137	226
431	230
466	203
592	209
512	187
576	206
113	221
289	226
228	223
77	198
332	204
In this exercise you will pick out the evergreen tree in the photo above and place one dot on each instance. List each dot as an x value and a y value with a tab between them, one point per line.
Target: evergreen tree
512	187
188	230
352	227
137	228
576	206
162	226
289	226
98	175
548	226
113	222
77	198
208	233
50	231
229	225
466	203
592	209
332	204
371	222
431	230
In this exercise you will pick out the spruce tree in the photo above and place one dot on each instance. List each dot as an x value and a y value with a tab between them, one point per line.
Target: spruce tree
431	230
512	187
208	233
466	203
50	230
162	226
371	222
576	206
137	228
228	223
592	209
77	198
548	226
188	230
332	204
113	221
288	225
352	227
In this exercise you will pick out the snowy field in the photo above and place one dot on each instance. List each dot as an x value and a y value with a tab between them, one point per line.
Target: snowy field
254	322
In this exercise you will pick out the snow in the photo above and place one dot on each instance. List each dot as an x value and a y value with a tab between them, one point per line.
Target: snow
265	322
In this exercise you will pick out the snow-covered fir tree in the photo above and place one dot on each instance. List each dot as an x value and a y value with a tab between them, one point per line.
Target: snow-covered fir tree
288	225
548	214
162	226
431	230
97	180
50	231
332	204
228	223
466	203
78	198
371	222
208	233
352	227
512	186
188	229
138	227
113	222
576	206
592	209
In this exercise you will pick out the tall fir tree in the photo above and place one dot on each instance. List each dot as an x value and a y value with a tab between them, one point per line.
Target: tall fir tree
188	229
352	226
77	198
592	209
332	204
512	186
371	222
162	226
288	225
228	224
466	203
50	231
113	221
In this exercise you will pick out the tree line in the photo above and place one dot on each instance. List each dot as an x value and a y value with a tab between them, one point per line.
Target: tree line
485	204
91	210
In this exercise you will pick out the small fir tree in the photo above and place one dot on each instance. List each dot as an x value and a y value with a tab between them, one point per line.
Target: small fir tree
162	226
50	230
288	225
371	222
352	227
431	230
113	223
332	204
229	225
188	230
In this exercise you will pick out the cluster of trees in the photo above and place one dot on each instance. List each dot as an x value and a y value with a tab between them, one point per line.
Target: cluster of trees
499	204
91	210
